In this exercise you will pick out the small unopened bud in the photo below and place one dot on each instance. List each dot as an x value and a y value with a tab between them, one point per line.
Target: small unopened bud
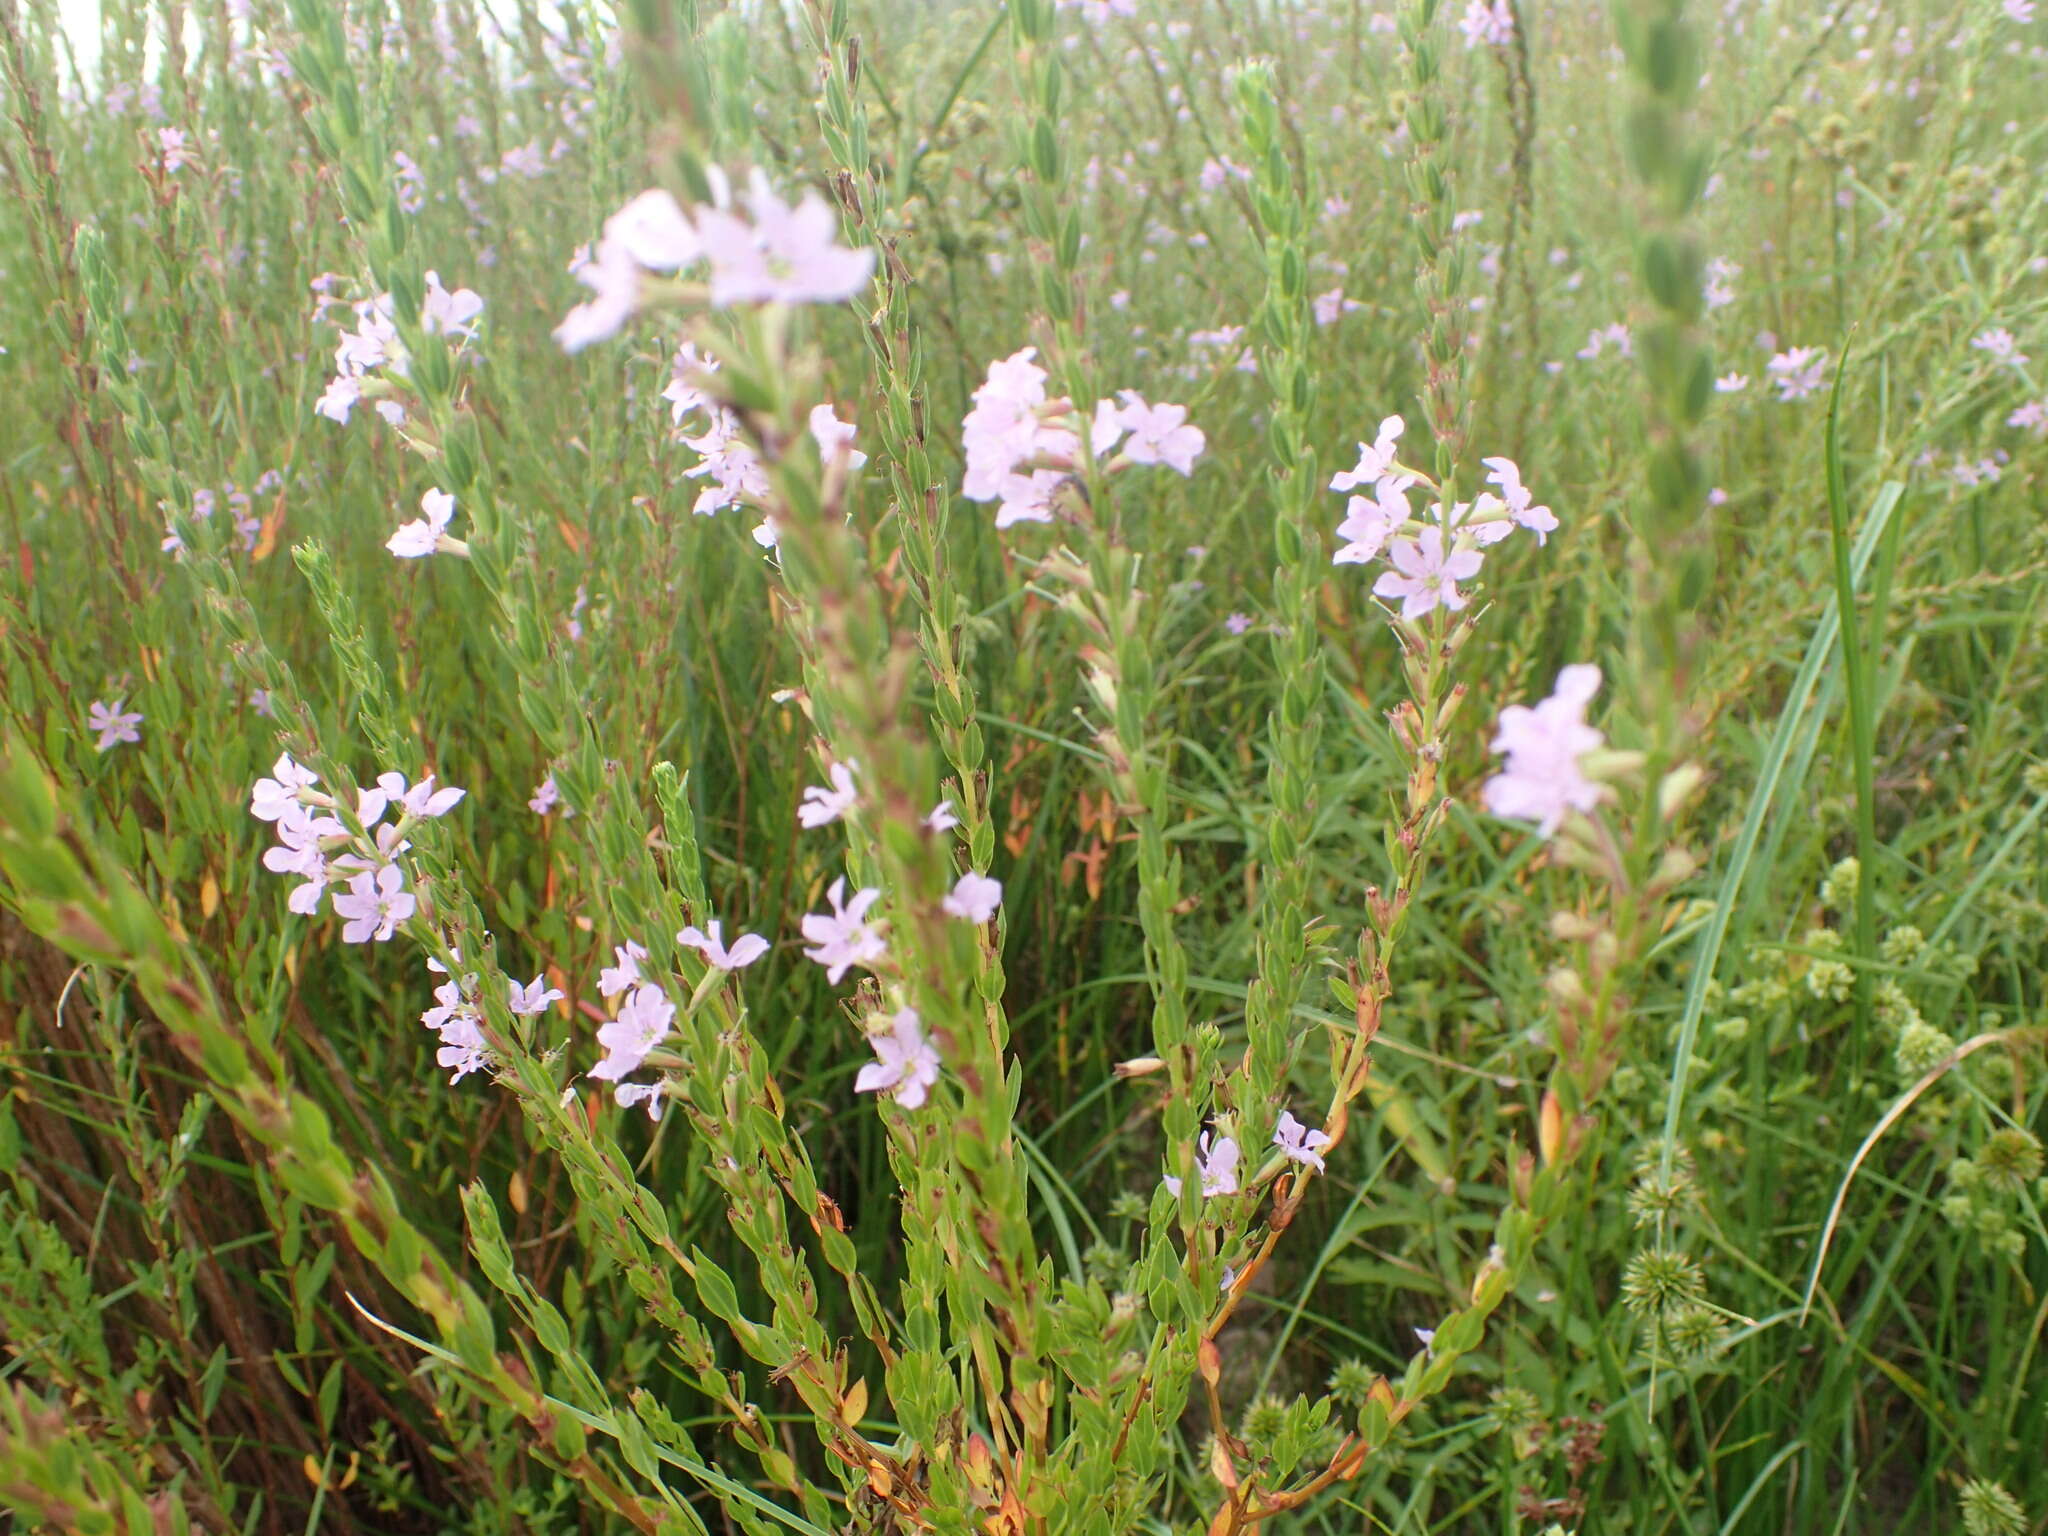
1677	787
1140	1066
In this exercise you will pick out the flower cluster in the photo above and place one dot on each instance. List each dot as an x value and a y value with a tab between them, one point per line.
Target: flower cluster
728	463
372	358
315	844
1429	556
241	505
1021	446
779	254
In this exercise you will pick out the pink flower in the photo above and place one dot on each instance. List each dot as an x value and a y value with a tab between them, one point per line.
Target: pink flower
1797	373
1370	521
2001	348
173	143
2031	417
112	723
734	469
906	1063
844	938
1539	520
974	898
710	941
685	393
278	796
1375	461
1424	576
422	799
425	536
449	314
1160	434
626	1095
546	796
1299	1143
1331	306
1217	1166
822	807
834	437
340	397
1238	623
614	979
786	256
942	818
642	1024
374	904
1542	778
532	997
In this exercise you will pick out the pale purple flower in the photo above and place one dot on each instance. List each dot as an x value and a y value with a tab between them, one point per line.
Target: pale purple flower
1731	384
844	938
1542	778
786	256
1797	373
685	392
374	904
449	314
278	795
1238	623
2020	11
1719	287
1216	1164
834	437
421	799
113	724
942	818
2031	417
1375	459
1424	576
974	898
729	462
821	807
1370	521
1299	1143
1539	520
1999	345
1160	434
424	536
176	149
626	1095
642	1024
342	393
614	979
906	1062
535	996
710	942
1332	306
546	796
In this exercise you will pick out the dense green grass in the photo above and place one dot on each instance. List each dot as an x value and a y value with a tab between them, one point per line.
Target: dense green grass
182	1321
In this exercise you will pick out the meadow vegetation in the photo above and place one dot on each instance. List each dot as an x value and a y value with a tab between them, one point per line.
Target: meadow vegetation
1059	767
